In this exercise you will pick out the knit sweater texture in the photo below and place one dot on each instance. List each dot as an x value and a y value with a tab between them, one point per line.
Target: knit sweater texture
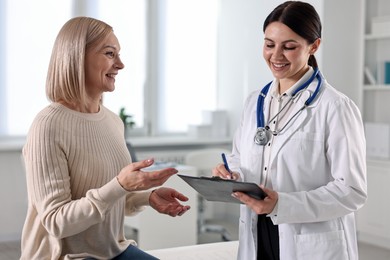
76	206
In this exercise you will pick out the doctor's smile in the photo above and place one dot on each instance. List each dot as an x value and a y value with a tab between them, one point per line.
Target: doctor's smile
279	65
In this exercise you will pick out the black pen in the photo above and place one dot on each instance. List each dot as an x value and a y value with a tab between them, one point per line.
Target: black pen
226	165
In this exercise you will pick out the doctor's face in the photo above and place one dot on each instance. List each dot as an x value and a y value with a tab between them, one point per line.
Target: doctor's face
286	53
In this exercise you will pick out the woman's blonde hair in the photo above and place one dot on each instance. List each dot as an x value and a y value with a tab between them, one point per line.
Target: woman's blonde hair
66	73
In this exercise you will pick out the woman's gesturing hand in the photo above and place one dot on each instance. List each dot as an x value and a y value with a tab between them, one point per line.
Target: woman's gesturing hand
166	201
132	178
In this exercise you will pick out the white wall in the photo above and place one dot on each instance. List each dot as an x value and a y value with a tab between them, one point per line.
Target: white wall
3	93
241	65
343	46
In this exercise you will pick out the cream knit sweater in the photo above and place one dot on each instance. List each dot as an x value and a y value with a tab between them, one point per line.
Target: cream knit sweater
76	206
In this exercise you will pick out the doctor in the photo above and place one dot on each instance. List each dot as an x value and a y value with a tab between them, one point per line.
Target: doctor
303	142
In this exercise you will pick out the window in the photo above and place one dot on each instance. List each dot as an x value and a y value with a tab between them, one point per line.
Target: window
28	32
128	18
168	48
189	47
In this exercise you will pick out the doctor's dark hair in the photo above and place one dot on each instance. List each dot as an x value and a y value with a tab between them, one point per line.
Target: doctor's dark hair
301	18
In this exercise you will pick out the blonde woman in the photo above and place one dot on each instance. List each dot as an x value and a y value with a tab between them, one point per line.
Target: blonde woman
80	179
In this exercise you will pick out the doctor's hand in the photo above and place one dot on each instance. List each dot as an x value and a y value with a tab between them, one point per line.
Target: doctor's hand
221	172
259	206
166	201
132	178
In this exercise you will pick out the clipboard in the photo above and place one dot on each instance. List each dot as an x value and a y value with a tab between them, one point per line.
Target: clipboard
218	189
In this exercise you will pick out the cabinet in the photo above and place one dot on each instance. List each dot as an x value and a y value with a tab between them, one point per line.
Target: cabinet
13	195
373	218
376	94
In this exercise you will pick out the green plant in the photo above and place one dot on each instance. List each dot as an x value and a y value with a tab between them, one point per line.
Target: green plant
126	118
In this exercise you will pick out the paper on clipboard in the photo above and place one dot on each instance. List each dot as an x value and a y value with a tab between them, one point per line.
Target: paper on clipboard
217	189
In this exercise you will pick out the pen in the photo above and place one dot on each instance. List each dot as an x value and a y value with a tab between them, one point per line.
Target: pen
226	165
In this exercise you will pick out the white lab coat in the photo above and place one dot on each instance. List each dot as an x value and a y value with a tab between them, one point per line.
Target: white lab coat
318	168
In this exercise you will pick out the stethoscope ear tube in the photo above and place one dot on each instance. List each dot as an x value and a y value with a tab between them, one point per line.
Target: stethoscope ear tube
314	95
260	105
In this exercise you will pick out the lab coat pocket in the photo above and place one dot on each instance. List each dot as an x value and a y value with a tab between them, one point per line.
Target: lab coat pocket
307	145
308	142
324	246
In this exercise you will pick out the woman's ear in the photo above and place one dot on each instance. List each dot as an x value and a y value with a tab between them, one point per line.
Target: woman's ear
315	45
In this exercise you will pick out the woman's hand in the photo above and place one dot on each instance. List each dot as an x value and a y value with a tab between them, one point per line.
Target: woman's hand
165	201
132	178
265	206
221	171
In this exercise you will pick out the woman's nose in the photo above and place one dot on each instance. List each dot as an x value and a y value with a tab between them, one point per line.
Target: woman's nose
277	53
119	64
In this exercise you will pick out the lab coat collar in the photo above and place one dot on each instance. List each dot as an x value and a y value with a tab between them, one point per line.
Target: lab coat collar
275	85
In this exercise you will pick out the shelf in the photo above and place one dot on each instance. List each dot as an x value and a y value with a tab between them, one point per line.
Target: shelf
382	87
383	36
385	163
176	141
12	144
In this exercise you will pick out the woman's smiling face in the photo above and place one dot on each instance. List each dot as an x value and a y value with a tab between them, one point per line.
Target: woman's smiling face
286	53
102	64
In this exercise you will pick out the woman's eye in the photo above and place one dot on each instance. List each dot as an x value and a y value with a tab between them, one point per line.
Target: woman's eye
289	48
110	54
269	45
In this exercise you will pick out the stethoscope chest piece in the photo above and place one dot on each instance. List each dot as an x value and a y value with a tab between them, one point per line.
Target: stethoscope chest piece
263	135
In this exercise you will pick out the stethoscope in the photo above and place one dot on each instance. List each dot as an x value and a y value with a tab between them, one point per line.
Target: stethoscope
263	132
